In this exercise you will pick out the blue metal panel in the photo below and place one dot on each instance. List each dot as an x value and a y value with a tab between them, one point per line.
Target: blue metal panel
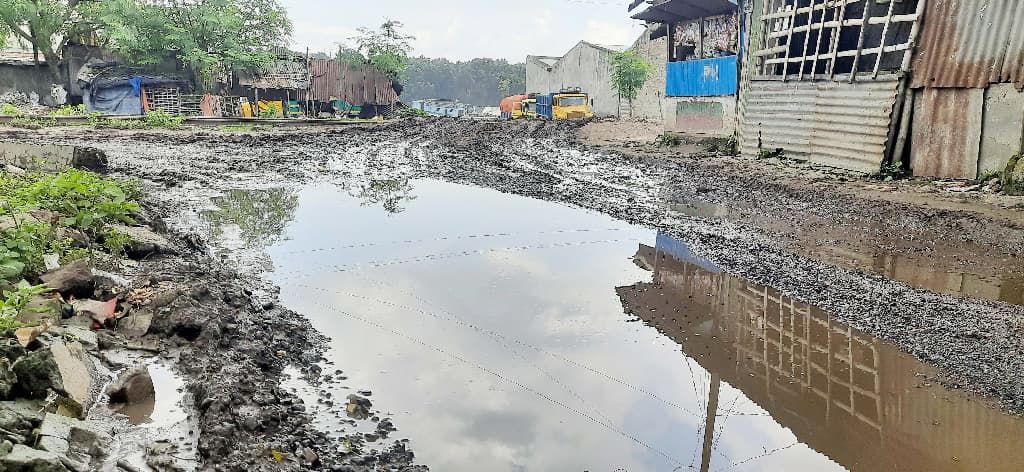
701	78
682	252
545	106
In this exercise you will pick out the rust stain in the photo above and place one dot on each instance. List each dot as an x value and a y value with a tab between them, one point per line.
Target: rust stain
947	133
970	43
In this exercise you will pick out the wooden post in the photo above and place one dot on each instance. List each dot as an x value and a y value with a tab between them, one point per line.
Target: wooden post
860	41
885	32
835	38
915	29
789	42
817	44
807	37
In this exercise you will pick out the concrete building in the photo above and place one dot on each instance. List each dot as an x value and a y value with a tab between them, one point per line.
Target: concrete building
588	66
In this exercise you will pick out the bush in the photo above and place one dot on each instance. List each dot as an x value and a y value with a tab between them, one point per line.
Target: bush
162	119
729	146
68	110
9	110
412	113
669	140
273	110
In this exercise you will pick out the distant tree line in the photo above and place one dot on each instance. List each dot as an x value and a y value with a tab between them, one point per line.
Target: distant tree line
482	82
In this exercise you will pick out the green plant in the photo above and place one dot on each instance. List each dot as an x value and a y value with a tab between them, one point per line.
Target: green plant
22	248
778	153
14	301
25	123
9	110
75	254
162	119
241	128
412	113
273	110
669	140
728	146
630	72
115	241
68	110
892	171
83	198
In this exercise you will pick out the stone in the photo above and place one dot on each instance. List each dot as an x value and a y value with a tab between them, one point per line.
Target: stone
75	279
41	308
132	387
7	378
11	350
86	336
137	324
17	420
63	368
25	459
144	242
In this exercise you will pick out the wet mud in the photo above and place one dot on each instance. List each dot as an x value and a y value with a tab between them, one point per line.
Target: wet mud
266	206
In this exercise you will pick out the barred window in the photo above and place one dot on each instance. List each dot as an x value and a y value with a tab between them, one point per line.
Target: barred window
829	39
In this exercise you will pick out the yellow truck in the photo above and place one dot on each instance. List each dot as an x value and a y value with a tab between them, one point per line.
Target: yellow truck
568	104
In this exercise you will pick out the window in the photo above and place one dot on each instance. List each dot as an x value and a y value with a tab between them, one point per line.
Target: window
816	39
572	101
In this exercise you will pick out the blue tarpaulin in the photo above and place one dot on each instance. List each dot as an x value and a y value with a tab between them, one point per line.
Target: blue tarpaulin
136	85
117	100
701	78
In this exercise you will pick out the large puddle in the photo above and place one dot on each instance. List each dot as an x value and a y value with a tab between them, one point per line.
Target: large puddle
501	333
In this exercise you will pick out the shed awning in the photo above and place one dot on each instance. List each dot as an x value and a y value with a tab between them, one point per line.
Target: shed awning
671	11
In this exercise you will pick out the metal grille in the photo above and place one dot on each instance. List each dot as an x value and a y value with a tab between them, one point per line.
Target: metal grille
816	39
190	105
164	99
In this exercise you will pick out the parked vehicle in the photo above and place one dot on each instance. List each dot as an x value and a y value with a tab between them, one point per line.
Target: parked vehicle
567	104
512	107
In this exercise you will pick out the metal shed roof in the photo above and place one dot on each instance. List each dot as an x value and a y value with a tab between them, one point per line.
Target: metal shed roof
669	11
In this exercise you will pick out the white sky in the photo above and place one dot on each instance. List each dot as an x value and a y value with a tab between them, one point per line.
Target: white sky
466	29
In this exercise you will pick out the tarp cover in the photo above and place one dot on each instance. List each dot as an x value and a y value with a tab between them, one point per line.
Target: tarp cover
118	100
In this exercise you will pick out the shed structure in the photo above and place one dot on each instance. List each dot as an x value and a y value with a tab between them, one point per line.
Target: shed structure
699	67
587	66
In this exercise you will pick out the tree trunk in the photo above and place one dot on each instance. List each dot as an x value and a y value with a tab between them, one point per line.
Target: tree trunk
53	64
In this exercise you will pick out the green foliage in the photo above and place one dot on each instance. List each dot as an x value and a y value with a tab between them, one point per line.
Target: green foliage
261	215
241	128
412	113
22	249
989	175
14	301
629	73
386	48
212	37
9	110
729	146
25	123
1012	180
84	199
68	110
115	241
482	82
273	110
771	153
669	140
892	171
48	25
162	119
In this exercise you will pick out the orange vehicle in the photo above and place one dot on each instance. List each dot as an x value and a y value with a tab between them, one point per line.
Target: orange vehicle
512	107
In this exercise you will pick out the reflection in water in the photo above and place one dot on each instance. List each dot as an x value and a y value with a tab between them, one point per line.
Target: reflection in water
389	194
164	407
514	354
1006	288
261	215
862	402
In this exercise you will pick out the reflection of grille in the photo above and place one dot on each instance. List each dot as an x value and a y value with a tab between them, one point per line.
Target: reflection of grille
576	115
781	338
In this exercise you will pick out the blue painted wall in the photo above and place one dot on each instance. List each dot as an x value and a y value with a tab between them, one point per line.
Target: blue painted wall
701	78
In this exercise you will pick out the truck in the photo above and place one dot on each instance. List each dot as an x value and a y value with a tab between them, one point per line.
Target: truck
566	104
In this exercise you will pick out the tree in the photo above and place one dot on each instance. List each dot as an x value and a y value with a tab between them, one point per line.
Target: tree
481	82
212	37
48	25
387	48
630	73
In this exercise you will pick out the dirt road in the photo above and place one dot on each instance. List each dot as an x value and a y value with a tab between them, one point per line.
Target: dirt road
935	272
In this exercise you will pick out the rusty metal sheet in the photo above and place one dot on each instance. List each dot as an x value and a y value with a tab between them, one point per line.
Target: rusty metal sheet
970	43
323	79
946	139
836	124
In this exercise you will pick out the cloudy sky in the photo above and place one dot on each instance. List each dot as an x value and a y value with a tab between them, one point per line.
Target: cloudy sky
465	29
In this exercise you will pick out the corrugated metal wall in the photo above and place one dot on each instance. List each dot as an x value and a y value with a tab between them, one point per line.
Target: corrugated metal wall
701	78
359	86
836	124
970	43
947	132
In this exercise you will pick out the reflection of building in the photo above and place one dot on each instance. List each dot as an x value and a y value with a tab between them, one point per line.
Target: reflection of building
850	396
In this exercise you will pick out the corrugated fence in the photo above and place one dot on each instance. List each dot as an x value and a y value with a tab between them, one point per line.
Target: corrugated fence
971	43
835	124
357	85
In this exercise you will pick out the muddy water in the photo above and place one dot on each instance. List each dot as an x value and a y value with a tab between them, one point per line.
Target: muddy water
491	330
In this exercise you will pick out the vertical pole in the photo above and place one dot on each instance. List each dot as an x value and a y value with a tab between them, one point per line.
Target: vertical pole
789	41
915	29
709	423
817	41
860	41
807	37
835	39
881	46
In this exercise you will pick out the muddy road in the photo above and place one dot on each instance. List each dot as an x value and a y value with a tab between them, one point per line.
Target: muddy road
520	296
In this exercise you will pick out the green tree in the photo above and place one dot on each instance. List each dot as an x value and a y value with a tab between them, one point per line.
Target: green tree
212	37
482	82
47	25
387	48
629	74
